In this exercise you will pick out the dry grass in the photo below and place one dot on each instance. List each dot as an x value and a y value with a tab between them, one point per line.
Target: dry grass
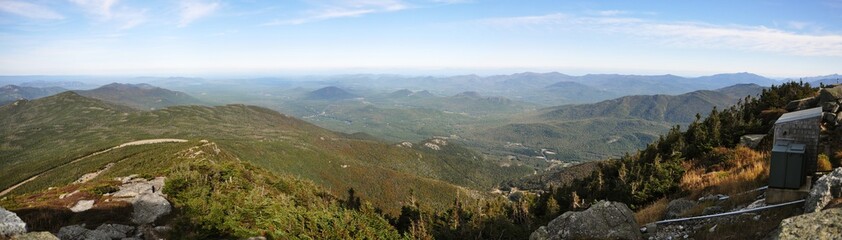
823	163
651	213
746	169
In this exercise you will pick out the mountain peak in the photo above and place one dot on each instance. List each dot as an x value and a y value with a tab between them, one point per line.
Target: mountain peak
468	94
329	93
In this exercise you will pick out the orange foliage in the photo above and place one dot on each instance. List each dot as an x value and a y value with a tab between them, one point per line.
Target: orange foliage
746	169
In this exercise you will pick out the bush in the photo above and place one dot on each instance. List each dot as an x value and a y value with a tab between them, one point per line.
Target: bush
824	163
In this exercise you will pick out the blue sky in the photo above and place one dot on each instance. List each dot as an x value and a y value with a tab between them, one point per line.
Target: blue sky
418	37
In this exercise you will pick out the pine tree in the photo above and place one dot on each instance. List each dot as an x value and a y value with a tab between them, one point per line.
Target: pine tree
552	207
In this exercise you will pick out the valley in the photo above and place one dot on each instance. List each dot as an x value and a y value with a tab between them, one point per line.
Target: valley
396	155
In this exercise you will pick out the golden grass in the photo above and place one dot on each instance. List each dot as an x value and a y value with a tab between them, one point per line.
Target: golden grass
747	169
823	163
651	213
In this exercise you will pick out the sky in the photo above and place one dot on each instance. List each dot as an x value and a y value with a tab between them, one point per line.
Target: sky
773	38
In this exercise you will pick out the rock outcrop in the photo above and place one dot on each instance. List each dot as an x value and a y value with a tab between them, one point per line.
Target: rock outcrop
36	236
148	202
10	224
82	205
678	207
149	207
603	220
105	231
829	99
825	224
826	188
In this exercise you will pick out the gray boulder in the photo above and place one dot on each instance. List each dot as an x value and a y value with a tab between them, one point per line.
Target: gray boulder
149	207
147	200
540	234
801	104
10	224
79	232
829	118
678	207
713	210
751	140
36	236
603	220
72	232
826	188
830	107
825	224
82	205
117	231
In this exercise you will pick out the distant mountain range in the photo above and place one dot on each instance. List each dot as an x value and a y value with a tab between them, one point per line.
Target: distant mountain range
552	89
608	128
827	80
662	108
140	96
11	93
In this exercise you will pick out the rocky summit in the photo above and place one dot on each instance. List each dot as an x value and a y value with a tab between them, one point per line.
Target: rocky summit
603	220
10	224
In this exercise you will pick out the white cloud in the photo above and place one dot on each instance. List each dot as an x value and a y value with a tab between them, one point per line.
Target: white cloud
101	8
192	10
344	9
28	10
689	34
107	11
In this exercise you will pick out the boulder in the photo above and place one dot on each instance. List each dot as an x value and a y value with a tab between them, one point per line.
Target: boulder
825	224
830	94
603	220
831	107
825	189
829	118
751	140
72	232
82	205
678	207
10	224
148	202
714	197
540	234
117	231
36	236
801	104
713	210
104	232
149	207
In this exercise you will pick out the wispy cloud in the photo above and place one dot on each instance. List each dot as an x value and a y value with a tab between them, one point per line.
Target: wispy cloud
688	34
344	9
29	10
105	10
192	10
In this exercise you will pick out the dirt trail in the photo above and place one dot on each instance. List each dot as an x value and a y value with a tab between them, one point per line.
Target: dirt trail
135	143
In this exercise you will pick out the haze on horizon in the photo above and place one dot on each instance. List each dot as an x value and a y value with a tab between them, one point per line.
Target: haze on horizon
206	37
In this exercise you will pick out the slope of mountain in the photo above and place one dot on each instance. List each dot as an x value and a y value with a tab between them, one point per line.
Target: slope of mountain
568	92
140	96
661	108
728	79
10	93
739	91
51	132
608	128
330	94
